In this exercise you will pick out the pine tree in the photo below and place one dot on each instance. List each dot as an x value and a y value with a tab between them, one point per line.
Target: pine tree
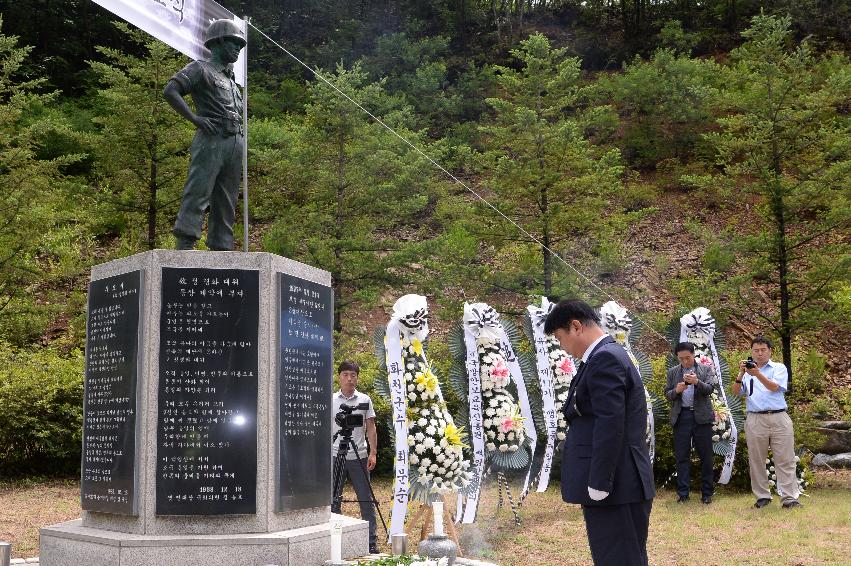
141	150
31	178
546	174
786	146
352	189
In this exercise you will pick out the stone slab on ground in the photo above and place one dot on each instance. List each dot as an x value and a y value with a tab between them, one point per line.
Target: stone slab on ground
834	440
833	460
72	544
458	561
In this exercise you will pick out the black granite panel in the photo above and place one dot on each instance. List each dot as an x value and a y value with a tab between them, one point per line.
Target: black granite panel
305	382
110	404
207	409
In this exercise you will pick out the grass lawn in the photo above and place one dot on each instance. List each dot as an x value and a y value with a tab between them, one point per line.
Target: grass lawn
728	532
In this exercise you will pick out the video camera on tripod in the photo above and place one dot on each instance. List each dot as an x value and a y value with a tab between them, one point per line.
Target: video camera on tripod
347	420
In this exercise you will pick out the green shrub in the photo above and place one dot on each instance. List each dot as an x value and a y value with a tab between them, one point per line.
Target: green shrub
810	372
640	195
718	257
41	411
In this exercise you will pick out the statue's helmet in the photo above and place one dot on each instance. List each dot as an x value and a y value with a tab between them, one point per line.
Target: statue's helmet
220	29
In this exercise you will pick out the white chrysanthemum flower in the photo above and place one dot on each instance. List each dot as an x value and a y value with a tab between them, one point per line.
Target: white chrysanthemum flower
490	412
425	412
501	437
431	431
510	436
491	434
425	463
513	448
428	443
411	441
419	436
715	438
561	435
503	447
412	396
419	448
422	422
490	446
433	468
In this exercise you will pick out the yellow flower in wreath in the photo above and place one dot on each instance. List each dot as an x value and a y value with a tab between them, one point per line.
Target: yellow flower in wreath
452	434
417	346
428	380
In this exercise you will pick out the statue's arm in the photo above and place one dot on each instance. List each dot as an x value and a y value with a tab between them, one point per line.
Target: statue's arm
175	99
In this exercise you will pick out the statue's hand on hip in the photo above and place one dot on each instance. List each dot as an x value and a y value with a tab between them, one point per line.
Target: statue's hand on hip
206	125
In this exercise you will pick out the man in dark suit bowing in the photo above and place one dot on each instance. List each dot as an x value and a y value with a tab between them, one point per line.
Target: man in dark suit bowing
605	466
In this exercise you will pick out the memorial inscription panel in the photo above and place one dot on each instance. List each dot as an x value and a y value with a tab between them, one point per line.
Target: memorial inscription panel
108	471
305	387
207	409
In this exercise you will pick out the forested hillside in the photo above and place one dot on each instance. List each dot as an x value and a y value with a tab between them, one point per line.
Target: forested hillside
669	154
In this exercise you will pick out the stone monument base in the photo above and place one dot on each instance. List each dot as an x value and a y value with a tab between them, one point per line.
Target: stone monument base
71	544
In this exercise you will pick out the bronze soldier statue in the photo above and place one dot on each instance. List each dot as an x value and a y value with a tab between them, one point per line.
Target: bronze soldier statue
215	166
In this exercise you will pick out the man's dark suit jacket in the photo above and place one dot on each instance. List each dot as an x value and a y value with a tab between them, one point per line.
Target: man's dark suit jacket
605	448
703	413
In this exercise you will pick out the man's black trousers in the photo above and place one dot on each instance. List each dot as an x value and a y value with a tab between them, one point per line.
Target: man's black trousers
686	431
617	534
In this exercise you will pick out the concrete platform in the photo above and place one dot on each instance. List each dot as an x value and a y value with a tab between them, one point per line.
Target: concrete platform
72	544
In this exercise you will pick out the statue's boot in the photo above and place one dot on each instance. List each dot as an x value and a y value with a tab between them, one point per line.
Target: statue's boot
185	243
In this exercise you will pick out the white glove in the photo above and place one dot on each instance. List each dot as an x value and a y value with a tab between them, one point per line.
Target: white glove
596	494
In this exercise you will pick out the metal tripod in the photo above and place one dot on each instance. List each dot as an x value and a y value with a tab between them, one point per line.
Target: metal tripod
346	441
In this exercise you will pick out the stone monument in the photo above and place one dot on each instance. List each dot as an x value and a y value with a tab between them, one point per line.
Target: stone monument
207	417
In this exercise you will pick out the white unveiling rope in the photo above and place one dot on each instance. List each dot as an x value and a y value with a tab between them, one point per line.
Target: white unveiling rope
447	173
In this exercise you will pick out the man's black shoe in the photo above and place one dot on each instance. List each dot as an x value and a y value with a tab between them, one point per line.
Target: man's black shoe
682	499
706	499
760	503
792	504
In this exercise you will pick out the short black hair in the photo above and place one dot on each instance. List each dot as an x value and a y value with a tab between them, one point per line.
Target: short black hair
348	365
762	340
567	311
684	347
